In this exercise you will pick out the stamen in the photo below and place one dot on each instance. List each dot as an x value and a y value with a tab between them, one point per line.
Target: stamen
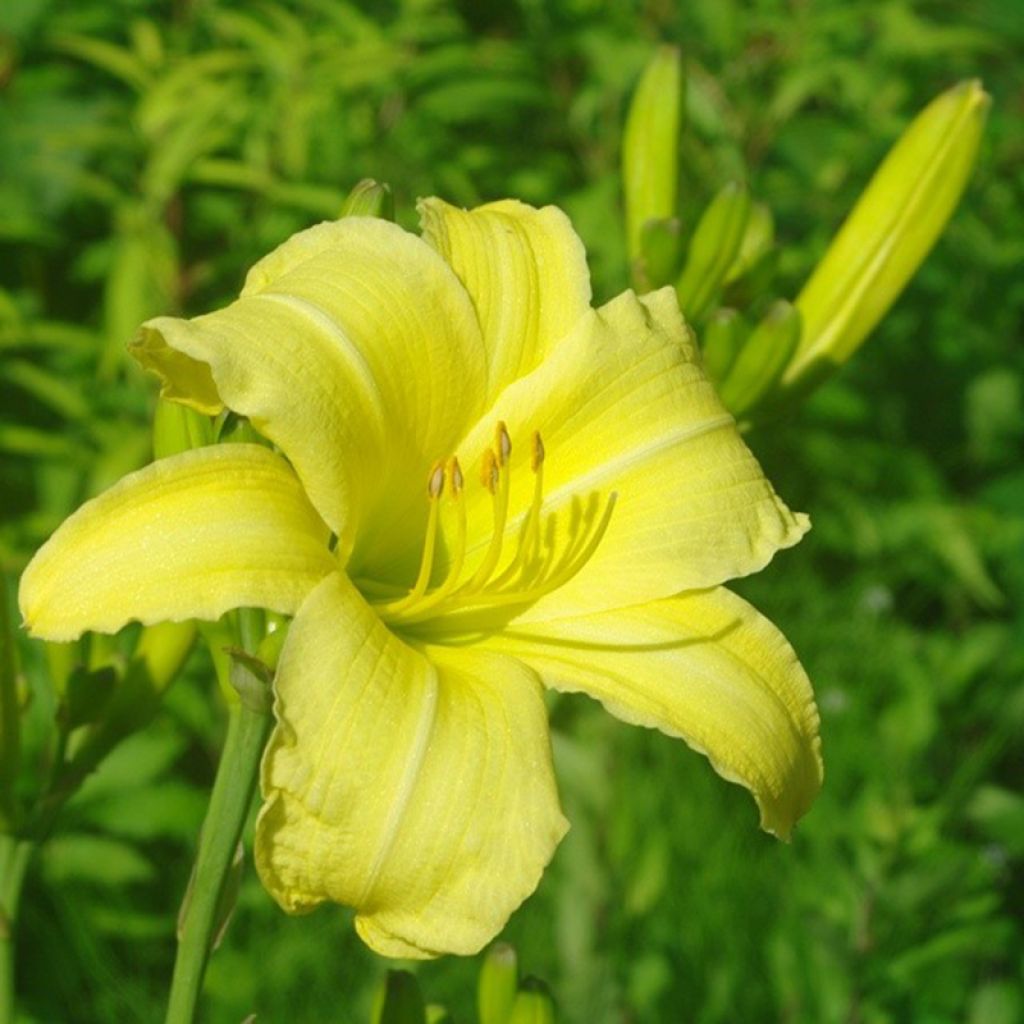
459	551
502	443
537	568
435	488
435	484
455	471
537	455
489	471
496	481
529	538
544	586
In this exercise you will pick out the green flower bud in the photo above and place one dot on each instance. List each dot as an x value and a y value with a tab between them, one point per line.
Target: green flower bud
650	149
720	342
762	359
758	238
891	229
713	248
177	428
533	1004
369	198
497	984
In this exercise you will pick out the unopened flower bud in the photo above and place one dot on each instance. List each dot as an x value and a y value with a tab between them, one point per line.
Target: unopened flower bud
890	231
650	146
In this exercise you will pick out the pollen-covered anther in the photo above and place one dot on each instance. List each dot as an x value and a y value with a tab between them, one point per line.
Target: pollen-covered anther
455	474
489	471
502	443
435	482
530	573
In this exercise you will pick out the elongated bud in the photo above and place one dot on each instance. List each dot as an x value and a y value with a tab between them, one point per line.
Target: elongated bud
497	984
399	1001
760	362
758	238
713	248
650	145
533	1004
177	428
889	232
720	341
369	198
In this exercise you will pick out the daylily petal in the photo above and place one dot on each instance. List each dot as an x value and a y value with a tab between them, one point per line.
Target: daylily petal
623	405
525	270
190	536
704	666
418	791
345	349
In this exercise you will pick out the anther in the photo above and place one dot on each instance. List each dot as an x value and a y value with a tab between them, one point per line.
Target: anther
503	443
489	471
537	456
455	472
435	483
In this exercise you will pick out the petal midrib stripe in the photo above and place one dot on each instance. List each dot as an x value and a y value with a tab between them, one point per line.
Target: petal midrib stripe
413	766
326	325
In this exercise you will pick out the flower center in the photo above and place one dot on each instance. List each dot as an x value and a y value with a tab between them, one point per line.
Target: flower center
538	565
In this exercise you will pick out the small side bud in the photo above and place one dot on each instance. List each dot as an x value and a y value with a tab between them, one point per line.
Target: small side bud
177	428
720	342
533	1004
758	239
715	244
497	984
252	680
761	360
369	198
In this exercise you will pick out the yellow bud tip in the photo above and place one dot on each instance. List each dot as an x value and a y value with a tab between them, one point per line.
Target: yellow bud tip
489	471
502	442
435	484
455	472
537	458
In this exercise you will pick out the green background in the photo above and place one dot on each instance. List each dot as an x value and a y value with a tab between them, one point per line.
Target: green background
149	152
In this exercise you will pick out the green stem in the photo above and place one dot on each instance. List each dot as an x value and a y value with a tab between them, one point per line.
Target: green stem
10	716
232	793
14	857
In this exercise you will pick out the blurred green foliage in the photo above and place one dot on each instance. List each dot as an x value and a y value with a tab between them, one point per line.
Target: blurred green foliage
150	151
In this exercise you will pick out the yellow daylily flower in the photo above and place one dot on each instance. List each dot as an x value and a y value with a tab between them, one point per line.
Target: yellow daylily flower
485	487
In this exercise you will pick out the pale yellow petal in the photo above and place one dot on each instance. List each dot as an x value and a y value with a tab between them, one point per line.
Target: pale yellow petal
706	667
418	791
354	348
623	406
526	272
190	536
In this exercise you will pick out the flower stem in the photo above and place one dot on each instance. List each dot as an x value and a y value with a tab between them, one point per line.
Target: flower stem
232	793
14	857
